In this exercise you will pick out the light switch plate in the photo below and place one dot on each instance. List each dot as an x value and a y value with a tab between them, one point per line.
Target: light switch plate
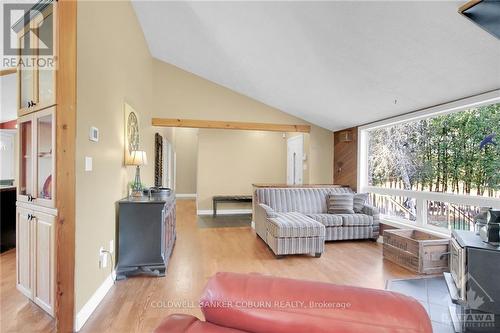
88	163
94	134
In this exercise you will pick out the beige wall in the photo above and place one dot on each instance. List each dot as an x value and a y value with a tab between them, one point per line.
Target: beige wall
114	66
180	94
186	156
230	161
320	156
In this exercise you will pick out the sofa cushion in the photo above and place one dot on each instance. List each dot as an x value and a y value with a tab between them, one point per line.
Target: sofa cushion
294	225
340	203
301	200
359	200
328	220
356	220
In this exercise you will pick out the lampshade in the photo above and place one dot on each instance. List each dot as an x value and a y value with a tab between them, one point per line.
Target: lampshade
138	157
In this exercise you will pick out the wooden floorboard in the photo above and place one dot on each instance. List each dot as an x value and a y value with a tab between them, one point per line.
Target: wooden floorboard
138	304
17	313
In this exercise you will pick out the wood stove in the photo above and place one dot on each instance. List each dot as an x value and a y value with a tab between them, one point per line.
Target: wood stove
474	283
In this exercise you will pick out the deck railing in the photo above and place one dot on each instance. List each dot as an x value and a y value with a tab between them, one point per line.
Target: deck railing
429	209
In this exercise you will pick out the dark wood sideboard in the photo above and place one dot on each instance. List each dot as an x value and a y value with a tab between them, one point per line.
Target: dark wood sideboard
146	235
7	217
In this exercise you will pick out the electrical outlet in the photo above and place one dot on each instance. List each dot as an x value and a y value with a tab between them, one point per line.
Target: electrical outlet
103	257
111	246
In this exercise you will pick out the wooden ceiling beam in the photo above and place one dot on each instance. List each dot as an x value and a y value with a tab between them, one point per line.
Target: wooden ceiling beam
232	125
8	71
468	5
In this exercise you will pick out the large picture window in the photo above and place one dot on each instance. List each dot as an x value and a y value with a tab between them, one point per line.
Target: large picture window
437	170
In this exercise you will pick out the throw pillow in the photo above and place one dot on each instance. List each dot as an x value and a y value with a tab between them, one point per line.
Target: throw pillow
359	201
340	203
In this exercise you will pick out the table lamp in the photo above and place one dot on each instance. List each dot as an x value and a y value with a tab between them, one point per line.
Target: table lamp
137	158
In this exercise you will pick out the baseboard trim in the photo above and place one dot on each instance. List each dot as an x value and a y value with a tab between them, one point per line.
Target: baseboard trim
186	195
84	314
224	211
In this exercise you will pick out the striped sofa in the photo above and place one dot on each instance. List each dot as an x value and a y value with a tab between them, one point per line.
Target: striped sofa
296	220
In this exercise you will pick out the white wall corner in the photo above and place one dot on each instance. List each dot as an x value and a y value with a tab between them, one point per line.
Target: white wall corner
84	314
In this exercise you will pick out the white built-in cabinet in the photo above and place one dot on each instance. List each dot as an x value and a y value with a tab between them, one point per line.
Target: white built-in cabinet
36	210
36	213
37	158
36	257
36	83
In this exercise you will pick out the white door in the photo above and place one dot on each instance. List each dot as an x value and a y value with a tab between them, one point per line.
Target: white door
294	165
167	164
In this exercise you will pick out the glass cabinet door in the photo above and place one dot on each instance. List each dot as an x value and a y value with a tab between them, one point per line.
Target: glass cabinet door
45	94
26	74
45	143
25	126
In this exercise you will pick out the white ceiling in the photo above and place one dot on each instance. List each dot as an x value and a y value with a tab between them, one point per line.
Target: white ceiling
334	64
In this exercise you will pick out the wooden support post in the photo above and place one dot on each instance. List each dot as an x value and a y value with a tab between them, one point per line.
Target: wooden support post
65	164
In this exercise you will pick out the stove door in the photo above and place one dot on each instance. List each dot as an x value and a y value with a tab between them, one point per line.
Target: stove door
457	267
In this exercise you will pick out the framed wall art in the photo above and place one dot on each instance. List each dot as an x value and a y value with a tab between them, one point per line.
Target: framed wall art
132	134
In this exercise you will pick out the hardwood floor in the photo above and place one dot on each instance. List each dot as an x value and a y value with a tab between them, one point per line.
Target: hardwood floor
17	313
138	304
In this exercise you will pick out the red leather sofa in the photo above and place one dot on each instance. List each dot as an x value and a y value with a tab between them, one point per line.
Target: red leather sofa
263	304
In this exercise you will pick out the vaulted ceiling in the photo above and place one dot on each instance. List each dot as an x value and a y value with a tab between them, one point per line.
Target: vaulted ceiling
334	64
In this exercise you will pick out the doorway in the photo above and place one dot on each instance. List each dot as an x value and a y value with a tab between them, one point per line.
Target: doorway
295	157
168	165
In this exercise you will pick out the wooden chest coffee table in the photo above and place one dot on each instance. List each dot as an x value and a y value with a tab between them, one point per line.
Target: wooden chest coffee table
416	250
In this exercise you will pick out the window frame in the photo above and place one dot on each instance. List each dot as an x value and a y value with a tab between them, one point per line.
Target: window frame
422	197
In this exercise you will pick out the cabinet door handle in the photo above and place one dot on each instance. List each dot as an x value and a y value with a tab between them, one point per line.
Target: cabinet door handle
33	103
